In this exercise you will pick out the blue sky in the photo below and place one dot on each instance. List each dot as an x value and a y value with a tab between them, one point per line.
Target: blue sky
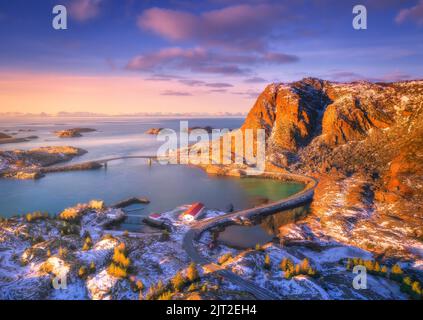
189	49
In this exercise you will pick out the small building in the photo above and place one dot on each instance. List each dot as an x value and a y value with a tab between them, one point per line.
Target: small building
193	212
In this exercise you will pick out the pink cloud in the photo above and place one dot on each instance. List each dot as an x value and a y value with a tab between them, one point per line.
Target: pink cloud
83	10
414	14
204	61
239	25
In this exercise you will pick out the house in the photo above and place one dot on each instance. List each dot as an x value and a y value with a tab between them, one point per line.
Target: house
155	216
193	212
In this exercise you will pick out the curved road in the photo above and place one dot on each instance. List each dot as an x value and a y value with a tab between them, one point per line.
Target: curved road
302	197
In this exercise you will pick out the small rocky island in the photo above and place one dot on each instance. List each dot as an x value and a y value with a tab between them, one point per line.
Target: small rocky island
5	138
31	164
73	133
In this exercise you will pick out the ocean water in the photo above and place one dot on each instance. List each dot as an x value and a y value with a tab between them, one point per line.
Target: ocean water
166	186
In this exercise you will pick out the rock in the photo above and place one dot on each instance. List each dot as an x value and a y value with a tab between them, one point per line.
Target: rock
154	131
73	133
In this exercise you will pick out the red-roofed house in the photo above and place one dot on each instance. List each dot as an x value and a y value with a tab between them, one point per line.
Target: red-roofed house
193	212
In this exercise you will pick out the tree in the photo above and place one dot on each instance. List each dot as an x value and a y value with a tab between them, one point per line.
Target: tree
305	265
178	281
376	267
92	267
139	285
192	273
267	262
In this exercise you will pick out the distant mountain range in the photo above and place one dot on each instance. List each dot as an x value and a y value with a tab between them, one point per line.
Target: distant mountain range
138	114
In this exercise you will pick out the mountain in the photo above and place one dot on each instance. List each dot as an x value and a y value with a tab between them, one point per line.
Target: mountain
364	141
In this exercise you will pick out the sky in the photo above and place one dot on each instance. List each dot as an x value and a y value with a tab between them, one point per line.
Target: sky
213	56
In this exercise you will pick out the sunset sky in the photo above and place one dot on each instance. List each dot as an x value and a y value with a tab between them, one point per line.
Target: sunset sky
133	56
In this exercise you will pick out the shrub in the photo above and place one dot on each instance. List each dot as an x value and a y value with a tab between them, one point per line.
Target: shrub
224	258
192	273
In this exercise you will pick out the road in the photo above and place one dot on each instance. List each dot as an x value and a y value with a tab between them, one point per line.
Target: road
302	197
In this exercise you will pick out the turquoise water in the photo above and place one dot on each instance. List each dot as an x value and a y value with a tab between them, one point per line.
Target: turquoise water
166	186
262	231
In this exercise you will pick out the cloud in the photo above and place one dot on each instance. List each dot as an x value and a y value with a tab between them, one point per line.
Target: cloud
83	10
255	80
219	85
200	83
175	93
243	26
204	61
347	76
250	94
414	14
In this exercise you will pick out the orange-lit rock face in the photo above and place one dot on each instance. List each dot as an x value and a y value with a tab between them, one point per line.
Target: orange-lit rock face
289	113
293	114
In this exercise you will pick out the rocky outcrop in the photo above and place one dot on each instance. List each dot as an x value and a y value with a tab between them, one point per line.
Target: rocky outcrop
154	131
294	114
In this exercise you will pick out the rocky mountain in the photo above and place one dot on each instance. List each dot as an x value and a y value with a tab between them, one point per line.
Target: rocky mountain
364	141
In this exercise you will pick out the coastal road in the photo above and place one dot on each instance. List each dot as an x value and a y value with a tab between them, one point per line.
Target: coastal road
300	198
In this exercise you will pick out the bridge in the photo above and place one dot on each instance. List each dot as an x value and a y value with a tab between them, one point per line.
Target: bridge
296	200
